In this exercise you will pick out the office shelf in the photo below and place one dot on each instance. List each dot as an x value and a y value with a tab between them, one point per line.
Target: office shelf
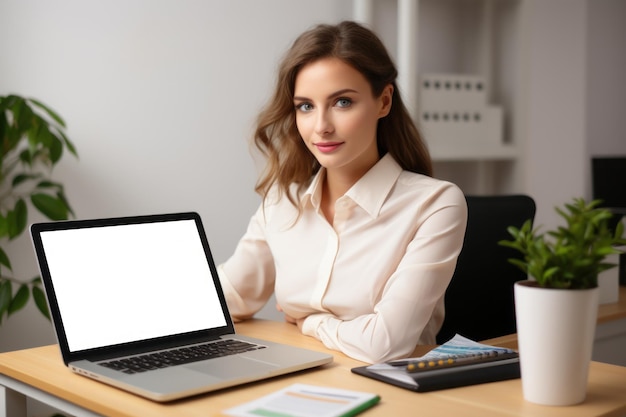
472	152
477	39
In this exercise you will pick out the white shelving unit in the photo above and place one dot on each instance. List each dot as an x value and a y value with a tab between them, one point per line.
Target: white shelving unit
481	38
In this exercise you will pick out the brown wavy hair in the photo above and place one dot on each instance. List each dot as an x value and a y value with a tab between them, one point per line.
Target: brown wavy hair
277	137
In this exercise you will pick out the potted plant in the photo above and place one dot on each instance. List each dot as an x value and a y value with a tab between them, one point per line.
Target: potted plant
556	309
32	141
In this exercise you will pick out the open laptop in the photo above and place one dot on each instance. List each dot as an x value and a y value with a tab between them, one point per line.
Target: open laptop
147	286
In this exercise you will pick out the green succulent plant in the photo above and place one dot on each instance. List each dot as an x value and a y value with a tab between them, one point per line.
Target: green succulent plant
32	141
571	256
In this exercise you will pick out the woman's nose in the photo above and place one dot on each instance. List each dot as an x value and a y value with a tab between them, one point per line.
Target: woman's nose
323	123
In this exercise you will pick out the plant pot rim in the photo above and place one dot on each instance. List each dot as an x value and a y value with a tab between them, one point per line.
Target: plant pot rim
534	284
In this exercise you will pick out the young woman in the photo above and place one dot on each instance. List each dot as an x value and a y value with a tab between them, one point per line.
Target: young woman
355	238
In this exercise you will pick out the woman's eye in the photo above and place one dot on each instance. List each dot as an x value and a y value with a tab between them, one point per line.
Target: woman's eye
305	107
343	102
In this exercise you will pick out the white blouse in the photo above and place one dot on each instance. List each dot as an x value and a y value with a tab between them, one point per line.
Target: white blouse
370	285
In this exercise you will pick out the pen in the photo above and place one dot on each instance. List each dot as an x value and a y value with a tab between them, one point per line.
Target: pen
436	363
422	363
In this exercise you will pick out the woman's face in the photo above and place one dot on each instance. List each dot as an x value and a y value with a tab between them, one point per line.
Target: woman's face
337	115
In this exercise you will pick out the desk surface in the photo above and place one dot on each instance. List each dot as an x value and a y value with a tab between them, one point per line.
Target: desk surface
43	368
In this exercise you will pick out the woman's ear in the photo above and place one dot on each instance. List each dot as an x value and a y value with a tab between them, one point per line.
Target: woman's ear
385	101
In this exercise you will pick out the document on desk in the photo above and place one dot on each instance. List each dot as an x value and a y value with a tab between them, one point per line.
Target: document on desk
302	400
456	363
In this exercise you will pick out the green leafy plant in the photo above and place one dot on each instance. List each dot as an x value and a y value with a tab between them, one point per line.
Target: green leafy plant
32	141
571	256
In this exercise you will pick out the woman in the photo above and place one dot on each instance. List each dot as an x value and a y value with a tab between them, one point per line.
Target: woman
353	236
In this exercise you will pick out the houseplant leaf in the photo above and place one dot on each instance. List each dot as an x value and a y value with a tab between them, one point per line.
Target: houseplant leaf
32	142
48	111
40	301
19	299
4	259
17	219
6	292
54	208
569	256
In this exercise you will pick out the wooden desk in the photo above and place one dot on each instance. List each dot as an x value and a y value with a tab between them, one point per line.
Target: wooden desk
40	373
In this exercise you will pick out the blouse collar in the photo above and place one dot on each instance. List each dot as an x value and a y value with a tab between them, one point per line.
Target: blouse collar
369	192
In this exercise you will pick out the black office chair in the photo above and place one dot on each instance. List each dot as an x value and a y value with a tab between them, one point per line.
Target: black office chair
479	300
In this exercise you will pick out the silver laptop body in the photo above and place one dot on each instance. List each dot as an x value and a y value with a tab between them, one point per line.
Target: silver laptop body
119	288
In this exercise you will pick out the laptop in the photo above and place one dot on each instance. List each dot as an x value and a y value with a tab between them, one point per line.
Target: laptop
136	303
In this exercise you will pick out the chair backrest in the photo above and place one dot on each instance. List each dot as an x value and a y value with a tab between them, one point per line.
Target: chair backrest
479	300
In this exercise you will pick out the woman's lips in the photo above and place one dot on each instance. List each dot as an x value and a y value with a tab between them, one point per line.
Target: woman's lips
327	147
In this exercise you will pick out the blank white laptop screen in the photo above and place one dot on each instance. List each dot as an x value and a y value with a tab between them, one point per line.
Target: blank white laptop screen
98	273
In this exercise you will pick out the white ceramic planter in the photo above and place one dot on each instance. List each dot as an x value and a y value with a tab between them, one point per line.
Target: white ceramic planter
555	331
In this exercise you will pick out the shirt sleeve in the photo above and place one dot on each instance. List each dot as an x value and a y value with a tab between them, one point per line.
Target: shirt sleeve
248	276
410	310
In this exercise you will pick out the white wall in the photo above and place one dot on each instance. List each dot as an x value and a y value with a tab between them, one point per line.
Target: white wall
160	98
555	143
606	77
576	97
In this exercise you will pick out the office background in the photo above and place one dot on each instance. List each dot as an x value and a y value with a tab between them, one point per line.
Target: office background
160	98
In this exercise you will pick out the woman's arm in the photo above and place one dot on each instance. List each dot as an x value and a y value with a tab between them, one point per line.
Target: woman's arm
247	277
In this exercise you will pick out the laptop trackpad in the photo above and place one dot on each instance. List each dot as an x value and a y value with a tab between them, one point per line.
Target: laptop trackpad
232	367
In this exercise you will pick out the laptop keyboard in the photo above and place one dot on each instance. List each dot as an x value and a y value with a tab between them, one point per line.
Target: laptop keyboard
179	356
